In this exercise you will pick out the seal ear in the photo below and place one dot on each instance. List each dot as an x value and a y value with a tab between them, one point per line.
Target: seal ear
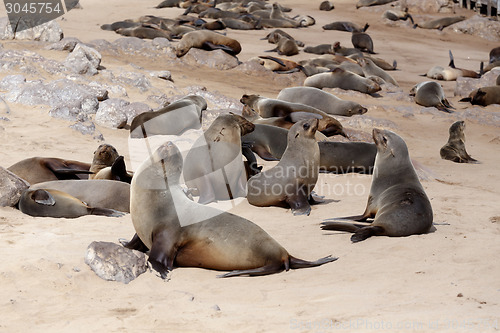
43	197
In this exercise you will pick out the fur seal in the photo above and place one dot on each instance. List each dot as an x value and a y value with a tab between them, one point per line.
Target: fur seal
440	23
269	107
286	47
320	49
174	119
117	171
454	149
362	41
346	157
368	3
482	96
346	51
498	80
208	40
41	169
343	26
321	100
430	93
326	6
95	193
292	180
371	69
104	156
396	15
180	232
339	78
144	32
274	36
214	164
53	203
278	65
397	202
494	55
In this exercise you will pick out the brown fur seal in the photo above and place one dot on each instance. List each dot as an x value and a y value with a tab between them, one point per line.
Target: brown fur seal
430	93
174	119
396	15
42	169
326	6
484	96
397	201
279	65
286	47
368	3
274	36
440	23
320	49
53	203
144	32
104	156
180	232
494	55
292	180
117	171
214	165
339	78
362	41
345	51
208	40
454	150
95	193
345	157
269	107
343	26
371	69
321	100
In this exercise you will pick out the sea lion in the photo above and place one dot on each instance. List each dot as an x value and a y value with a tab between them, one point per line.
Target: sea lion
362	41
454	149
53	203
430	93
396	15
208	40
343	26
292	180
180	232
278	65
320	49
326	6
368	3
397	202
269	107
346	51
274	36
95	193
144	32
41	169
482	96
339	78
370	69
174	119
440	23
321	100
104	156
214	164
286	47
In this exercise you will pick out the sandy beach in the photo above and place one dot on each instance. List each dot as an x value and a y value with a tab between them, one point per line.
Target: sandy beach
443	281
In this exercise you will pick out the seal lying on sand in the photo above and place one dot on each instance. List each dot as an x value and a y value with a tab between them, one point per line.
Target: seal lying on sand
180	232
430	93
397	201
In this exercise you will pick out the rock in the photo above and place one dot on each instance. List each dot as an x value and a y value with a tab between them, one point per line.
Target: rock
11	187
130	44
165	75
134	109
214	59
111	113
428	6
479	26
114	262
87	128
465	85
46	32
134	79
83	60
65	44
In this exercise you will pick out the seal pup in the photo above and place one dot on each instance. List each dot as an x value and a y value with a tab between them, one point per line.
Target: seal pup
484	96
362	41
440	23
292	180
340	78
104	156
274	36
345	51
286	47
207	40
173	119
94	192
214	165
454	149
117	171
180	232
321	100
430	93
269	107
397	202
53	203
41	169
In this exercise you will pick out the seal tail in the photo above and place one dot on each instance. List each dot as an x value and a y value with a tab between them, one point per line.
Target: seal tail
296	263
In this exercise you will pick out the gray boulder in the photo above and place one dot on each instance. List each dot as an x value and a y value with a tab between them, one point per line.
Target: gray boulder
479	26
114	262
11	187
83	60
217	59
46	32
112	113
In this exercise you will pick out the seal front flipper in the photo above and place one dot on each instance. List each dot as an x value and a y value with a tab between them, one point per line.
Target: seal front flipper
163	252
299	263
265	270
63	169
43	197
105	212
366	232
264	153
120	170
298	203
211	46
134	244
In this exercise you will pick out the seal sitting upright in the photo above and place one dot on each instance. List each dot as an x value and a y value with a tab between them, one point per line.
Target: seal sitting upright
181	232
292	180
454	149
397	200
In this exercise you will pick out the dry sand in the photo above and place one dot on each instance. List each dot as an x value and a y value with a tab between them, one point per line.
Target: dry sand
447	280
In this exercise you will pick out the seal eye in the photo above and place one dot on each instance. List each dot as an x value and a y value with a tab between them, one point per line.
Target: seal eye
385	140
306	126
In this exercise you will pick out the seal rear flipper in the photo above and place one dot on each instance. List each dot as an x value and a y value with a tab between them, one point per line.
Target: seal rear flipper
298	203
365	233
296	263
43	197
452	61
105	212
341	226
134	244
211	46
264	270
